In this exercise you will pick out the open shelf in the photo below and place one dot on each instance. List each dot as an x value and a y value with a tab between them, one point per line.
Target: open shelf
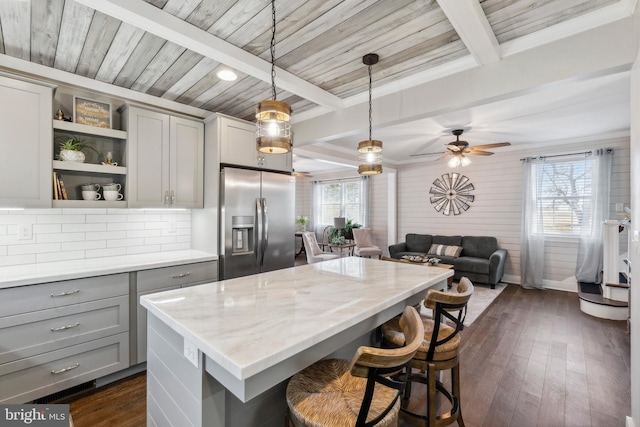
89	204
89	130
89	167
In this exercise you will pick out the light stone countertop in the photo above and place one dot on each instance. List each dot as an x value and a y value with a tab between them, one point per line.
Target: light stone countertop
250	324
31	274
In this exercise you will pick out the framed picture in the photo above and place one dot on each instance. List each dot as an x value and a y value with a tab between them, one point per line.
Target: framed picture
92	113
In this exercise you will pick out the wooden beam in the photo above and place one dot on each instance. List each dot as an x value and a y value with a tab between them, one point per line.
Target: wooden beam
470	22
162	24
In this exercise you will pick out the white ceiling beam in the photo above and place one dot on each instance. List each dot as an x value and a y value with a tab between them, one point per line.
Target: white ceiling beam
470	22
168	27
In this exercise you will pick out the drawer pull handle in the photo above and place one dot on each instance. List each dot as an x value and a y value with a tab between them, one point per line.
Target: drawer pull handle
62	328
68	368
178	276
63	294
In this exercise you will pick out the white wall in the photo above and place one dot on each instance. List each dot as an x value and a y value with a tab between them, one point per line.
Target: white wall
71	234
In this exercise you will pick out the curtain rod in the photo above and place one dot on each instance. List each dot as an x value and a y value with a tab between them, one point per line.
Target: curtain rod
609	150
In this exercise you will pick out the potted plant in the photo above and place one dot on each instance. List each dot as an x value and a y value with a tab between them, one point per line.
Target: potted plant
346	233
71	149
302	221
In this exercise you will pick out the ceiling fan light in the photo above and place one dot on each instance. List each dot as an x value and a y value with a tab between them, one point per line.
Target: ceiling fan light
465	161
273	135
453	162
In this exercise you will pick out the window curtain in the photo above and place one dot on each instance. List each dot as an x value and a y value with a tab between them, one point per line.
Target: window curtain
364	203
316	207
590	249
532	233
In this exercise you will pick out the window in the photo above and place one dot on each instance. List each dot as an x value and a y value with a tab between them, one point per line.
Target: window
564	195
340	199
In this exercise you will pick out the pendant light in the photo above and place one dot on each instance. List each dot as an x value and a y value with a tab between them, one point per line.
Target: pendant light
370	151
273	118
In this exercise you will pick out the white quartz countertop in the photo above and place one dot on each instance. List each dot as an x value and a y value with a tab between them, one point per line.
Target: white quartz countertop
46	272
250	324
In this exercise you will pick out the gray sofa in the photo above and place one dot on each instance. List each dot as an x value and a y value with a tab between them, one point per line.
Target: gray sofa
481	260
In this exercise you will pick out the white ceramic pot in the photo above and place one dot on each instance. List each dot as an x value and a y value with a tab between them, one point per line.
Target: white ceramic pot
72	156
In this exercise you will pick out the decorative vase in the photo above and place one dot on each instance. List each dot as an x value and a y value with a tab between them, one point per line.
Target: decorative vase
303	228
72	156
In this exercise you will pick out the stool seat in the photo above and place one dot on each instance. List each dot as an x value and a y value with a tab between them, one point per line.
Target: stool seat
327	394
392	333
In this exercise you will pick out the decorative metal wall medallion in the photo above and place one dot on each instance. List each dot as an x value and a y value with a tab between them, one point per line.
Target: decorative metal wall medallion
450	193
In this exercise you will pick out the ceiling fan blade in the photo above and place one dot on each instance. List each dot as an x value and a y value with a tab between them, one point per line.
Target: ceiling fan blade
445	155
479	153
426	154
496	145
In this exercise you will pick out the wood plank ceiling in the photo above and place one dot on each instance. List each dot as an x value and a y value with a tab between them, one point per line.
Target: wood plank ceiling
319	41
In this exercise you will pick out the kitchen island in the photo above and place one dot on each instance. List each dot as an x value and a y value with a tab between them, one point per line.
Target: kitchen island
220	354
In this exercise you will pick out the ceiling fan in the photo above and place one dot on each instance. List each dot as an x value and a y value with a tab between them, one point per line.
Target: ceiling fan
457	150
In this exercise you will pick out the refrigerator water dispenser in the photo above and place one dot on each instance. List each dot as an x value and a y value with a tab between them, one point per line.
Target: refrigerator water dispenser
242	234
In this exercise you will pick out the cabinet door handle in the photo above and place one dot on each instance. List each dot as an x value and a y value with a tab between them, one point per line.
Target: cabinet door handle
64	294
62	328
173	198
179	275
68	368
166	198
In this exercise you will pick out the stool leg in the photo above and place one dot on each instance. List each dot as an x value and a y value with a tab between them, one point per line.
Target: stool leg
431	395
455	386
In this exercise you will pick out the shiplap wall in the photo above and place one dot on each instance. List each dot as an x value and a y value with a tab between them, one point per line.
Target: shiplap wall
496	210
71	234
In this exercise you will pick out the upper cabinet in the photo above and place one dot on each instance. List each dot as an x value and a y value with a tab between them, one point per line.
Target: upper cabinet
165	159
237	141
25	132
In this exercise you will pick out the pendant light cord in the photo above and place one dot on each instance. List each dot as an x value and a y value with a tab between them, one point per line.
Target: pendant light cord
273	50
370	102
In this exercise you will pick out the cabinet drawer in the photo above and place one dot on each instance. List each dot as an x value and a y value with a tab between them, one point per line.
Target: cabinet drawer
159	278
26	335
24	299
34	377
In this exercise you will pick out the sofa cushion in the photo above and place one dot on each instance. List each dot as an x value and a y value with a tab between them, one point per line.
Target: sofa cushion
472	264
447	240
479	247
444	250
418	242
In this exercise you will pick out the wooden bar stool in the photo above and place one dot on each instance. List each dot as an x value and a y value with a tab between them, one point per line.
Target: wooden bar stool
360	392
438	352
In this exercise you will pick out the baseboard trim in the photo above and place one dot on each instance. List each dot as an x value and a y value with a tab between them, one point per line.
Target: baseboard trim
116	376
630	422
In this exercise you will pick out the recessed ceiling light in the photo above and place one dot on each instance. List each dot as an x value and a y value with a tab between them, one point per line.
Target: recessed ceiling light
227	75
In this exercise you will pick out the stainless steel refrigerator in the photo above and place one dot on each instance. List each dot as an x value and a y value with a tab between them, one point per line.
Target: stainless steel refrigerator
257	220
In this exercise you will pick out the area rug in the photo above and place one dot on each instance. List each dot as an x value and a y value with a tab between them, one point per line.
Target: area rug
482	298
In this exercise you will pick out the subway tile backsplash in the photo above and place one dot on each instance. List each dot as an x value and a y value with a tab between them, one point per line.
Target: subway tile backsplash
49	235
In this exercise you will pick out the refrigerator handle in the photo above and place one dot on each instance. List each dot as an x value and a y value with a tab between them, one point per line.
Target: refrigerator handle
258	240
265	216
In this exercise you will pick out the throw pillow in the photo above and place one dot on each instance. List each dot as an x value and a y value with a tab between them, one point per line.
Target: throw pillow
444	250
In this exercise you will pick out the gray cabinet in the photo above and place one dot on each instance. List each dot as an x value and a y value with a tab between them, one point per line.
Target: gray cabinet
237	142
60	334
160	280
165	161
25	132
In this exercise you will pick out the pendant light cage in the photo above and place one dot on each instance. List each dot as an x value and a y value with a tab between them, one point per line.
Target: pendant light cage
273	118
370	151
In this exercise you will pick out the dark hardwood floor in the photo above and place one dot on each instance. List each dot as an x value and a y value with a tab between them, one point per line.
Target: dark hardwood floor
531	359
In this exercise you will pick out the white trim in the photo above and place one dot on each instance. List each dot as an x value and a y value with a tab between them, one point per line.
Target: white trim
629	422
471	24
604	311
168	27
392	204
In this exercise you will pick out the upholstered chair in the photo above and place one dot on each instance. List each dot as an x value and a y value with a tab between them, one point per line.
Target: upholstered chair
363	392
364	243
312	249
438	352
